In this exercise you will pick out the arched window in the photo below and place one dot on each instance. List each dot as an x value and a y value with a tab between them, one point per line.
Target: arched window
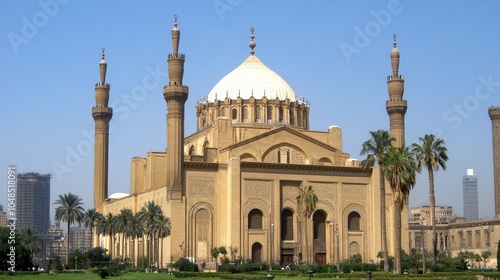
286	225
280	114
319	225
418	241
257	113
256	252
235	114
191	150
245	114
269	113
223	112
255	219
353	221
291	118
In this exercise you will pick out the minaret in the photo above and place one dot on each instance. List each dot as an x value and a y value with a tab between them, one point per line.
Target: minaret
396	105
102	115
175	95
494	113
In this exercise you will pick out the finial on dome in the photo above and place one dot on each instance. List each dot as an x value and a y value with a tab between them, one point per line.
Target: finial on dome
394	35
103	53
252	43
175	21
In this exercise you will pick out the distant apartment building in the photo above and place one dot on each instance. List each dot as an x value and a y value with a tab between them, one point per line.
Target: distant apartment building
54	243
80	239
33	201
3	217
470	196
421	215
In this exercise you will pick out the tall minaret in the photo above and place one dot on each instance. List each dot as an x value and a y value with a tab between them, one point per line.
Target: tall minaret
175	95
396	105
102	115
494	113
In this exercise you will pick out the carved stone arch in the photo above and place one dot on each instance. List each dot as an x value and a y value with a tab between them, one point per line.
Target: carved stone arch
354	207
284	153
290	204
248	157
222	112
256	204
325	161
354	248
201	228
191	150
204	147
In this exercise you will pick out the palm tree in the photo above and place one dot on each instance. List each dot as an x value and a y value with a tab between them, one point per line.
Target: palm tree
431	153
400	170
149	215
106	227
375	148
90	219
134	230
164	228
69	209
122	221
306	201
30	241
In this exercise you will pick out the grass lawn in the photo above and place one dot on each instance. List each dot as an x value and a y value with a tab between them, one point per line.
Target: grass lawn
126	276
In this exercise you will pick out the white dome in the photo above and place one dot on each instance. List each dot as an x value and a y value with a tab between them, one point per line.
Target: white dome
118	195
252	76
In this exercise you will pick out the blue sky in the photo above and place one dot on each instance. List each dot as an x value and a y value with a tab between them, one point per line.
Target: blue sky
335	54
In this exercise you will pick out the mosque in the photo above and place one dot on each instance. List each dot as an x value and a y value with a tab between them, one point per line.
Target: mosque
234	182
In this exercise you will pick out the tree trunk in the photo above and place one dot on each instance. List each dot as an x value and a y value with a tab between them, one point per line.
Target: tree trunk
307	242
67	246
432	200
384	220
397	237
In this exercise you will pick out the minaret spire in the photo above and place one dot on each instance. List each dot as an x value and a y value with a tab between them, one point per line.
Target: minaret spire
395	58
102	115
252	42
103	66
396	106
176	34
175	95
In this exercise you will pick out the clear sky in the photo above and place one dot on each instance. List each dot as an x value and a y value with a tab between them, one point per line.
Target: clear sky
335	54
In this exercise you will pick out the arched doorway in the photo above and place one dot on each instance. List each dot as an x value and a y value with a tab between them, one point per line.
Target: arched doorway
319	235
257	252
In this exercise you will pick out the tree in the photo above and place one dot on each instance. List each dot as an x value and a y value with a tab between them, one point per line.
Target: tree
214	252
375	148
223	251
400	170
121	224
90	219
134	230
431	153
149	215
69	210
163	229
30	241
106	227
306	201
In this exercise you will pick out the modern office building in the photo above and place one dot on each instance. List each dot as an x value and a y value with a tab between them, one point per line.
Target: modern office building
33	201
470	196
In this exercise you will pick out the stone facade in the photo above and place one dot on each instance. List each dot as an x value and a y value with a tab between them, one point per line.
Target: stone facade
234	182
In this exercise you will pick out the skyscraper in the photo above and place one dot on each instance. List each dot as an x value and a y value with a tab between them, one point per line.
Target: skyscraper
33	201
470	196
